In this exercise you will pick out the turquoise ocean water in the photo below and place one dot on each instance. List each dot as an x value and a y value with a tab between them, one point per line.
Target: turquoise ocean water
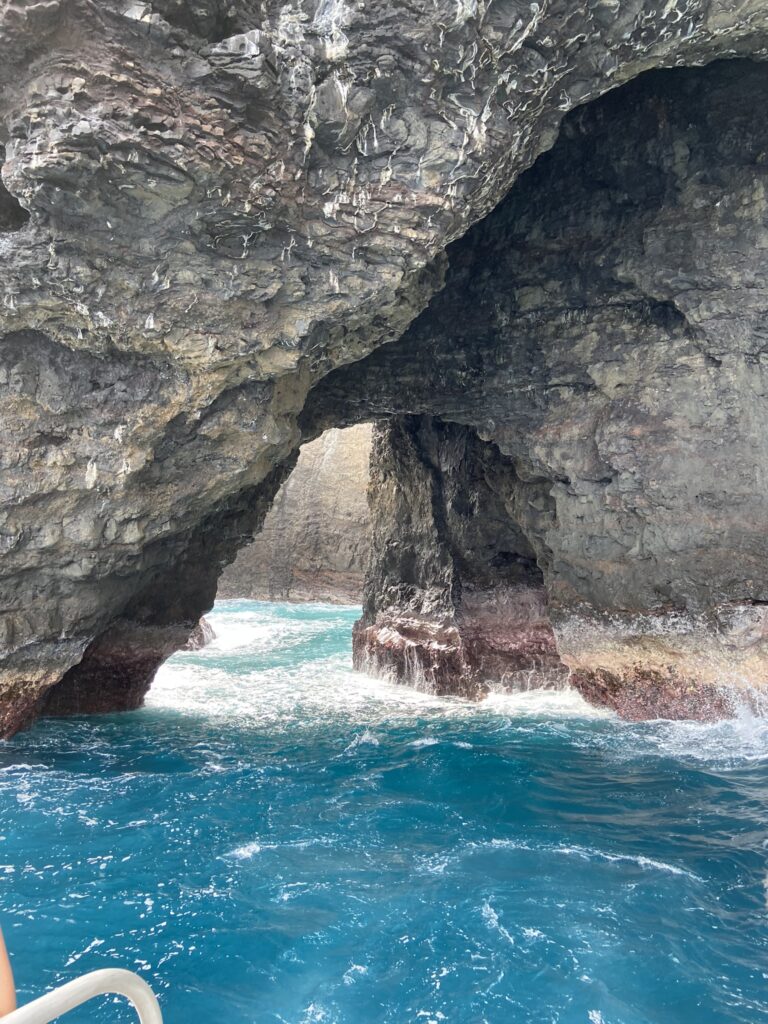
275	838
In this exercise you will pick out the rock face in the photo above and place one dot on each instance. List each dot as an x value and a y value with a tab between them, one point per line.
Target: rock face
215	216
200	637
454	602
314	543
599	330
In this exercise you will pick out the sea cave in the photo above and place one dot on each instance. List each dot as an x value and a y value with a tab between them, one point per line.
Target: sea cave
408	362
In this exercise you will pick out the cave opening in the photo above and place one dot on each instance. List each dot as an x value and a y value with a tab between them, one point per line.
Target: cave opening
457	569
566	430
314	542
594	329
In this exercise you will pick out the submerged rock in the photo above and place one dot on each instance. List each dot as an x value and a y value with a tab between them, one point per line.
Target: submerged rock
215	215
200	637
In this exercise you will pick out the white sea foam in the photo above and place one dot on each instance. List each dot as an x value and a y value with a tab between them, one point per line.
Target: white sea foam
350	976
728	743
328	687
364	739
560	703
246	852
314	1014
587	853
203	684
235	634
254	633
491	918
590	853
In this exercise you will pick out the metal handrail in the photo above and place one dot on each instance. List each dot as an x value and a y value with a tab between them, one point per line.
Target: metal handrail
110	981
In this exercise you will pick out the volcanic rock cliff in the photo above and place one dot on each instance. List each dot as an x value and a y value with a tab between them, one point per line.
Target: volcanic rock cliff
314	542
227	226
602	344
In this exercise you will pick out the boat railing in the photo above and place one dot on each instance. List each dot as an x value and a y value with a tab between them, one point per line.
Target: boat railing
109	981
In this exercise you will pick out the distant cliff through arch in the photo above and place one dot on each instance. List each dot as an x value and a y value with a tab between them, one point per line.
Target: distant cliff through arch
314	544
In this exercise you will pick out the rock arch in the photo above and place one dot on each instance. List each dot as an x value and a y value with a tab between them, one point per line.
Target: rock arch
219	226
596	332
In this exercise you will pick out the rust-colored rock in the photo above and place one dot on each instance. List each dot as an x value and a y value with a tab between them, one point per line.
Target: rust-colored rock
644	693
115	672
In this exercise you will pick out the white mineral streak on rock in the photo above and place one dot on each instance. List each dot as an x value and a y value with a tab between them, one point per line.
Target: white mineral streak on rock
331	18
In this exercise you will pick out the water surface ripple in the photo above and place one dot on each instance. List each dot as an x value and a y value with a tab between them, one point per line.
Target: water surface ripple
275	838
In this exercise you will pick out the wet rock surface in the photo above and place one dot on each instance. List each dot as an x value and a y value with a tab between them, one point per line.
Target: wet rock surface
314	543
209	208
200	637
